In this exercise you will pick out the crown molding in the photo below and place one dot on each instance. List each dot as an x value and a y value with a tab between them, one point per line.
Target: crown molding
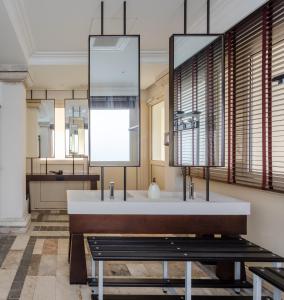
19	20
13	73
59	58
154	57
13	76
81	58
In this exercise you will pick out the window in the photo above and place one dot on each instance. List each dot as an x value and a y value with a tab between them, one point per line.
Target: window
110	129
254	101
158	131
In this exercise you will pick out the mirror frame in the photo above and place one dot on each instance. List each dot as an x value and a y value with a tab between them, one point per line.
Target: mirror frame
54	126
171	97
96	164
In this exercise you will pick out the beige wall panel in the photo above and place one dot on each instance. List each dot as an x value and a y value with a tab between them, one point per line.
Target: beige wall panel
52	195
143	171
266	222
116	174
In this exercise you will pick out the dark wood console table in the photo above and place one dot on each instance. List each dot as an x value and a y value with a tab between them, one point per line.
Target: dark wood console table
64	177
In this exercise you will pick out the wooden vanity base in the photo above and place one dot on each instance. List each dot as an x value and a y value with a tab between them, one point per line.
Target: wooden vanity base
227	225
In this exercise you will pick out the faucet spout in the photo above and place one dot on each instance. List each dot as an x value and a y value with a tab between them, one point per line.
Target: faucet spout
111	190
191	189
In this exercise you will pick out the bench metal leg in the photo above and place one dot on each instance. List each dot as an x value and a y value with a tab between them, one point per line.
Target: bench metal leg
101	281
237	274
277	292
93	268
165	274
256	287
187	280
277	265
165	270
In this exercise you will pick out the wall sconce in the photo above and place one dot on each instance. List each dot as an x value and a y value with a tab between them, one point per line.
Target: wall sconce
166	139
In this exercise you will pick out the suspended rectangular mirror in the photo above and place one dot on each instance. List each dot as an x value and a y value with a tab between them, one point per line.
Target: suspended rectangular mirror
76	127
114	100
197	104
40	128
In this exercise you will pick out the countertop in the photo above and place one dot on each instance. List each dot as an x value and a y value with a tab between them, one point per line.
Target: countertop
137	203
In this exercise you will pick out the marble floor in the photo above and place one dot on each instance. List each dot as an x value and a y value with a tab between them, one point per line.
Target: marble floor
33	265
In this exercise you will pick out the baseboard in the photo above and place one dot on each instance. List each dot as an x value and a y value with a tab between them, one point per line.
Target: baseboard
9	225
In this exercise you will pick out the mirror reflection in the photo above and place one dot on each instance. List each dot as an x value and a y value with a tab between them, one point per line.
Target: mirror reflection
114	100
197	100
40	128
76	127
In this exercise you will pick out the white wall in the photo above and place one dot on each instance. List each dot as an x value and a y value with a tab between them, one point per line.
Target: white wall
13	210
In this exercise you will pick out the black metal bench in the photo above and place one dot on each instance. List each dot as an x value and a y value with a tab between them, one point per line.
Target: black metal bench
274	276
166	249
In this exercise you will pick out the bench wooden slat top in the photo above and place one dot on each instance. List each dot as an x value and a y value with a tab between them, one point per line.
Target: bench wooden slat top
143	239
175	282
175	297
274	276
179	249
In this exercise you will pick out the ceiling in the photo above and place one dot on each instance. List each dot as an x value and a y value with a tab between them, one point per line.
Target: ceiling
51	37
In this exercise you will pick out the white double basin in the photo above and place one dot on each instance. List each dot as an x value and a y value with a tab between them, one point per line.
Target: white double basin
137	203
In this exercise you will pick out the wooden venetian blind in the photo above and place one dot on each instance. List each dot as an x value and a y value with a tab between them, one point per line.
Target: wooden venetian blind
276	170
248	101
255	104
254	101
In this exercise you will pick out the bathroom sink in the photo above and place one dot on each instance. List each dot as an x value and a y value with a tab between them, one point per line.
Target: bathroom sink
170	203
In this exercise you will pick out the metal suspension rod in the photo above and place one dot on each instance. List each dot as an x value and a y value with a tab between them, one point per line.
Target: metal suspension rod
207	177
102	17
124	17
207	169
208	17
73	164
102	183
124	183
184	183
185	17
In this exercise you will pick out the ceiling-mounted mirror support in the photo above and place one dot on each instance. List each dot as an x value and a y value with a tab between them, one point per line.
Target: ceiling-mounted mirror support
208	17
102	17
185	17
124	17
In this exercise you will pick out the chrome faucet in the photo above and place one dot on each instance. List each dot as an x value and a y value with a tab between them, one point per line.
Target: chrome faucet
111	190
191	189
